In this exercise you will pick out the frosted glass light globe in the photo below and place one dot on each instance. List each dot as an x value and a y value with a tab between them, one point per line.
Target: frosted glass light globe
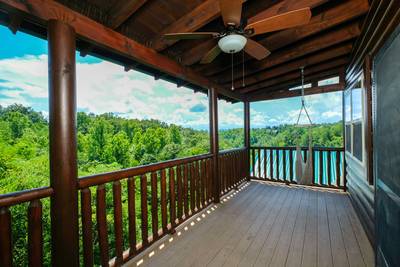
232	43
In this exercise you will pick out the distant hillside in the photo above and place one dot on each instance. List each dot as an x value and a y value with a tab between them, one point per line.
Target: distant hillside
107	142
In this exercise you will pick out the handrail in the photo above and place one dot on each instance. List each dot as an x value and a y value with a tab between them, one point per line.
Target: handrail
98	179
317	148
232	150
18	197
278	164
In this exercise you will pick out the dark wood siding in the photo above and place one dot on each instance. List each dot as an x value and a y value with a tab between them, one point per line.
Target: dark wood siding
361	194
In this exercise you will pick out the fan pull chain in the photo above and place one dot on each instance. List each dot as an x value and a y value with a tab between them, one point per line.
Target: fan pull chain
243	85
302	85
232	88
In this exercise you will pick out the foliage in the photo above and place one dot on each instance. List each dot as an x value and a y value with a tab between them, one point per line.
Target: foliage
107	142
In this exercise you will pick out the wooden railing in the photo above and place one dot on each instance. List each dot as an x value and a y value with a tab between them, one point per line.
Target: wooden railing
34	228
278	164
125	211
232	168
168	194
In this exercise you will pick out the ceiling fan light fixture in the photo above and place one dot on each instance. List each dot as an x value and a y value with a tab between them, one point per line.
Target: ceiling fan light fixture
232	43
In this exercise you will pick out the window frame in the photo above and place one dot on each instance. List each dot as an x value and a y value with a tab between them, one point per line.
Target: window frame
352	122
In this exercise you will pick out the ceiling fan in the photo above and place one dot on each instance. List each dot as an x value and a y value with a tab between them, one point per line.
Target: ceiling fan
236	35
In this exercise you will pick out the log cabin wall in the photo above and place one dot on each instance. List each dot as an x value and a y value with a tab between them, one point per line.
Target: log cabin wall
380	22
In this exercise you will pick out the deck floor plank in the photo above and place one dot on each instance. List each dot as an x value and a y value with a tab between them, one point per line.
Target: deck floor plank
268	224
222	235
296	246
310	249
324	242
253	250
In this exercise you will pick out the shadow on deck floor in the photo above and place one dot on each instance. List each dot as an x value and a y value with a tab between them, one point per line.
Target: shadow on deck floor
267	224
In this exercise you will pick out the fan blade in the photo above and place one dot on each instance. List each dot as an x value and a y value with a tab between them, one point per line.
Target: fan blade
190	35
256	50
211	55
231	11
280	22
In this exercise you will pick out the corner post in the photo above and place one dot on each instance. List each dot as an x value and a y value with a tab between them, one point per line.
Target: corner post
63	144
247	137
213	108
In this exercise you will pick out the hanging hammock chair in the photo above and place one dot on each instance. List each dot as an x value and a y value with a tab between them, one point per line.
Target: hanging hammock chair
304	169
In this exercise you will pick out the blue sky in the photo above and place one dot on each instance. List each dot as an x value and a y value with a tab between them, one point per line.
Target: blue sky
105	87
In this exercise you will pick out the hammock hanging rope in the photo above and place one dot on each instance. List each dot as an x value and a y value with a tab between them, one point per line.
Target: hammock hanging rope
304	169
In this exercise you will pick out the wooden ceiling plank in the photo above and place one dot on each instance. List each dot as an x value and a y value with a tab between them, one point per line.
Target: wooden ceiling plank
198	17
313	79
296	74
323	21
283	7
287	94
194	54
309	46
122	10
210	10
337	51
44	10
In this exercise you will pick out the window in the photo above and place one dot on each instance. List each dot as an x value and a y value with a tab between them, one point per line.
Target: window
329	81
354	120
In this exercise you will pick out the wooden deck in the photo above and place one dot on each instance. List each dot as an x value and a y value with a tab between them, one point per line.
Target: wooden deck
268	225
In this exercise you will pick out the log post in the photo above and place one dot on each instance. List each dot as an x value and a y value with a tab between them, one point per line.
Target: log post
213	107
247	137
63	148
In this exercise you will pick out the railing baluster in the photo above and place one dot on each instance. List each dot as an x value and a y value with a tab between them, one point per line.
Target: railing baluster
185	189
226	170
271	164
35	237
229	172
154	205
192	187
5	237
132	215
198	184
277	165
87	225
312	154
172	202
305	154
118	222
329	176
210	181
284	164
164	219
291	165
207	185
321	167
102	224
265	163
337	168
253	161
179	189
143	211
203	183
223	174
344	171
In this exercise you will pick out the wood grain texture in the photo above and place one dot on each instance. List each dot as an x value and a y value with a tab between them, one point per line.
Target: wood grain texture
272	225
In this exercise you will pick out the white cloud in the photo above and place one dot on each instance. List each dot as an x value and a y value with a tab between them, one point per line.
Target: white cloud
105	87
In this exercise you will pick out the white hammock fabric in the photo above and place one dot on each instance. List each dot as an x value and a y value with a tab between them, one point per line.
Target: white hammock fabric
304	170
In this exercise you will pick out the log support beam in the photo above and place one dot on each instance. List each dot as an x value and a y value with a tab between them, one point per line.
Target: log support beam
40	12
213	108
247	137
286	93
63	144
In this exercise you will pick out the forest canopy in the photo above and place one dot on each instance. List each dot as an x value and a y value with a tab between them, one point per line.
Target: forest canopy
109	142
